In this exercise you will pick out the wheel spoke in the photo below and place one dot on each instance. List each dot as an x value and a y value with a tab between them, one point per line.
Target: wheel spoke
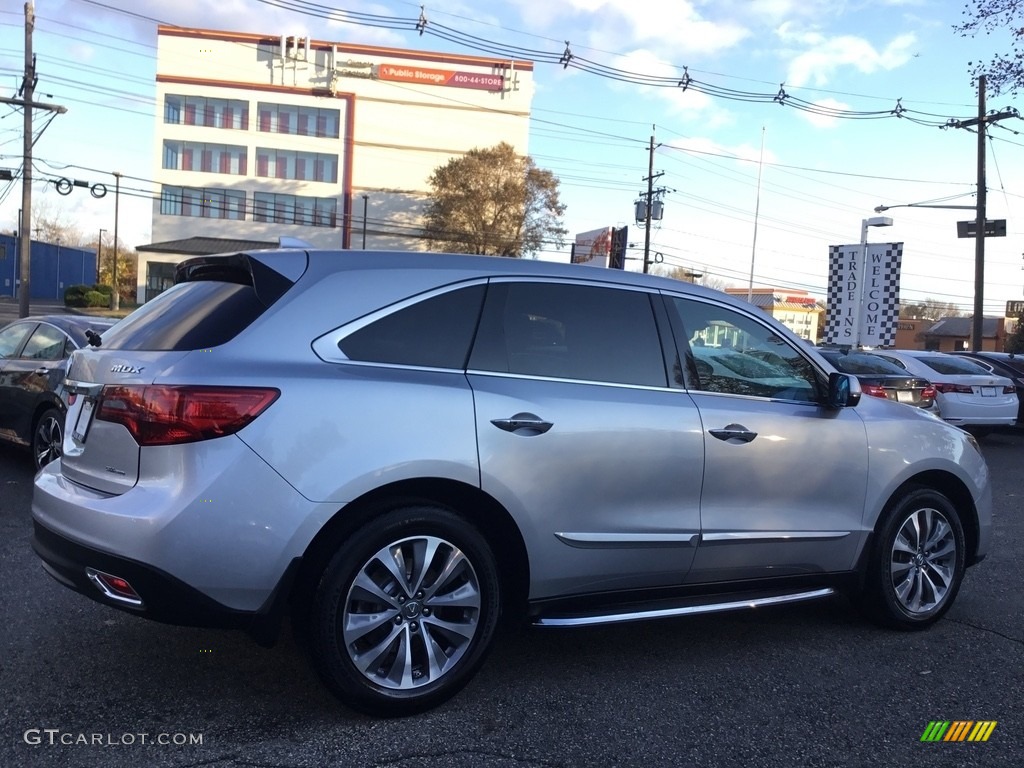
411	612
922	561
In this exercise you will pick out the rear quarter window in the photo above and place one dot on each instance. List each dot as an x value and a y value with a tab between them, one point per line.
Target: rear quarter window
433	333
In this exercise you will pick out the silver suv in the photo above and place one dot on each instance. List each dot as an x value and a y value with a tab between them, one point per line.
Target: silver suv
397	449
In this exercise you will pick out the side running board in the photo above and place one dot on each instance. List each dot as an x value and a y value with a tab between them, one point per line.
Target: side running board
591	619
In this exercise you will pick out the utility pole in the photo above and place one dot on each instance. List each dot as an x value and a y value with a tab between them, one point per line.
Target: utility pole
980	211
115	297
25	94
649	198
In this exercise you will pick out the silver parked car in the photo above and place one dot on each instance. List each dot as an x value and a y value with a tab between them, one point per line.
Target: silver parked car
399	448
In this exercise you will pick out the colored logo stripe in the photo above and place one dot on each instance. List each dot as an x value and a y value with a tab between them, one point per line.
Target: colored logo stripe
958	730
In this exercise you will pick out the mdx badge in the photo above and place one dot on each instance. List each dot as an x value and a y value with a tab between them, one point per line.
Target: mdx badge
125	369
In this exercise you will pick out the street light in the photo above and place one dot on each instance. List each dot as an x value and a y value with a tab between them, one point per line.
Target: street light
99	256
115	297
874	221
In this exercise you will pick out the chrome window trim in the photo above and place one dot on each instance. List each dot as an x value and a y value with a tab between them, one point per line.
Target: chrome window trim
537	377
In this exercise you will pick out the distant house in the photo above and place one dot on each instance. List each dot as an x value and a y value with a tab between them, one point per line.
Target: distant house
795	309
953	334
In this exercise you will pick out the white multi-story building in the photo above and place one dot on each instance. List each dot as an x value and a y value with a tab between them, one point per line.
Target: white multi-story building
260	137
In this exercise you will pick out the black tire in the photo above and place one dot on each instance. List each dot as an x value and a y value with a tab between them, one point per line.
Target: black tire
439	594
917	561
48	437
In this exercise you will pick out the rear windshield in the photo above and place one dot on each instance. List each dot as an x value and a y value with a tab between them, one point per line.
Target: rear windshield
952	365
862	364
189	316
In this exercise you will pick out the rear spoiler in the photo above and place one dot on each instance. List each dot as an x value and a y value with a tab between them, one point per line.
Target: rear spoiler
270	273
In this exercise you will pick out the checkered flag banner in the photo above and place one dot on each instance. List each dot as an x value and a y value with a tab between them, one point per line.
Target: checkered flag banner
863	294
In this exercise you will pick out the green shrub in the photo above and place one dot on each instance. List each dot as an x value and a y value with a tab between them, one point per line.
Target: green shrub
74	295
106	290
96	299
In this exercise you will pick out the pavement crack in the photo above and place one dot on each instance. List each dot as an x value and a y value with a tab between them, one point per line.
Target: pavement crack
1017	640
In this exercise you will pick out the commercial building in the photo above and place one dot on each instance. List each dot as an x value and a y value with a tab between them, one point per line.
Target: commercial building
54	267
263	137
795	309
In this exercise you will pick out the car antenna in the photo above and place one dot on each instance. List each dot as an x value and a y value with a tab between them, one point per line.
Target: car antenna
93	337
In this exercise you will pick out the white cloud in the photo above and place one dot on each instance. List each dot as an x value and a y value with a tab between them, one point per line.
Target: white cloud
823	56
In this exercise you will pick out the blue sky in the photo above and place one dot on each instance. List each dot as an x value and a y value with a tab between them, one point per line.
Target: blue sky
820	175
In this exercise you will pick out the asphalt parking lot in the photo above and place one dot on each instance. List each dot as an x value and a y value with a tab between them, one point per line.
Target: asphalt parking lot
807	685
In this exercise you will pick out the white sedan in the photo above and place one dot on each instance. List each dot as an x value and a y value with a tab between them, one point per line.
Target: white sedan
967	394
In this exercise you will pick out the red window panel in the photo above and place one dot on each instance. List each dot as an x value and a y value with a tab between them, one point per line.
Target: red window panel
321	125
209	118
283	122
300	168
245	119
319	173
186	158
262	165
206	162
302	126
190	114
265	117
225	162
229	118
243	164
281	166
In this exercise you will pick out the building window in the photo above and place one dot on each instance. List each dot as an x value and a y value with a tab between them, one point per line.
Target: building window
298	121
294	209
159	277
296	166
209	158
203	203
212	113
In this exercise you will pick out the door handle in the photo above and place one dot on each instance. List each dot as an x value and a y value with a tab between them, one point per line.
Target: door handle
42	371
734	433
526	424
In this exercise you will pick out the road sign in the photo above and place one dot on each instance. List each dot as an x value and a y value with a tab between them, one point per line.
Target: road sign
993	228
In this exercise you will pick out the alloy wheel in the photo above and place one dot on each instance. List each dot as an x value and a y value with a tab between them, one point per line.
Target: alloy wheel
923	561
411	612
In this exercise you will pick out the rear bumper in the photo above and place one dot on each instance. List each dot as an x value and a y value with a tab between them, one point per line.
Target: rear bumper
163	597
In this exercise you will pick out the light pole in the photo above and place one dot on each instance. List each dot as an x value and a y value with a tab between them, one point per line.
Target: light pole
115	297
874	221
99	256
366	200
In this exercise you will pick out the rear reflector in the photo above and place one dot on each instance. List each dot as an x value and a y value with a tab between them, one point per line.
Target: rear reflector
168	415
114	587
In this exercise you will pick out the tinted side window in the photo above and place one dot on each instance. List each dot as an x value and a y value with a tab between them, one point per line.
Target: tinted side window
12	336
734	354
569	331
434	333
189	316
46	343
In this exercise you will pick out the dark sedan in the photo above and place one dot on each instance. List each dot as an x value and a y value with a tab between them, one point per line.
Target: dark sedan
33	358
1005	364
880	378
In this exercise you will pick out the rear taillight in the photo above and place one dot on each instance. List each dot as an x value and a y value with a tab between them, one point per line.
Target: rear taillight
873	390
1008	390
928	393
949	389
166	415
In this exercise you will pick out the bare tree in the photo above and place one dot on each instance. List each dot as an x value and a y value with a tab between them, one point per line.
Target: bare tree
1004	71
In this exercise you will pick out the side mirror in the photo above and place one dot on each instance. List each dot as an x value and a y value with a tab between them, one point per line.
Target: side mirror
843	391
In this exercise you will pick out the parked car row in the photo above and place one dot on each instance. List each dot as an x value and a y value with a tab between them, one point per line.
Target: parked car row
979	390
